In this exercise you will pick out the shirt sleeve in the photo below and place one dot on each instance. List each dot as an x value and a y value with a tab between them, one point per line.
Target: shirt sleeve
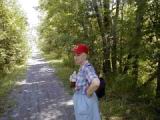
90	73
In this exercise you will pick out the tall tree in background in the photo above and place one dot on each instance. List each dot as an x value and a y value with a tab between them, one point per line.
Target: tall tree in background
106	41
137	36
104	26
154	37
115	37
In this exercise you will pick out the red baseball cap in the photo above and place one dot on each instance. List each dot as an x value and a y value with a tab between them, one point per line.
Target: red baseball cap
80	48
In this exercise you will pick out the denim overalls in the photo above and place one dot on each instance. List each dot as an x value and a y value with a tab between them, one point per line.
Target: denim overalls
86	108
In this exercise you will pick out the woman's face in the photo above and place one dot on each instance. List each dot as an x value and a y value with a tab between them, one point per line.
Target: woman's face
79	58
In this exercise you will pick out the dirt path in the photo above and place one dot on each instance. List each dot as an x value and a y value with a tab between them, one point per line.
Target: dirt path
41	96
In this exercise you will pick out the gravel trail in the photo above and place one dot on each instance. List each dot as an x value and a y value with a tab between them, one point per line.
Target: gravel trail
41	95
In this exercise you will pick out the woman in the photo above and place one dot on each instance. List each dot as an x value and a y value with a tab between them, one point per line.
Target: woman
86	82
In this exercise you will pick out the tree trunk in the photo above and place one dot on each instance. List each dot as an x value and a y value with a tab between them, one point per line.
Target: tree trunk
106	41
137	36
126	67
121	39
104	30
157	4
114	48
89	32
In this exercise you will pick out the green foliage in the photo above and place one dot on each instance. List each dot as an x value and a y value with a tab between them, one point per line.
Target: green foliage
64	25
137	47
13	48
12	36
124	84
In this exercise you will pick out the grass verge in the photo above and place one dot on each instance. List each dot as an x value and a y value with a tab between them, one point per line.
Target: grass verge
7	83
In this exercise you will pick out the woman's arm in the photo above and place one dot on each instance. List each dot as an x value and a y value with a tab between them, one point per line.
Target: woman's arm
93	86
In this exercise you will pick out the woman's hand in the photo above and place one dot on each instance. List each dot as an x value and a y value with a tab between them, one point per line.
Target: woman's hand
89	93
93	87
72	79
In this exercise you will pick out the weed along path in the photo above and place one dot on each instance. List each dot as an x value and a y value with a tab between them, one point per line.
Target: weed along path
40	96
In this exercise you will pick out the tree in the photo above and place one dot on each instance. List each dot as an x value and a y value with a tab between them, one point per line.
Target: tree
12	39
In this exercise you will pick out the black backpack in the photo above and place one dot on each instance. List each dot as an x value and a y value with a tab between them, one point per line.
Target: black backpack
100	92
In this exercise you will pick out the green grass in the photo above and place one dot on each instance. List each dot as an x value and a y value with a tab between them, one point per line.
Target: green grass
128	108
103	108
7	83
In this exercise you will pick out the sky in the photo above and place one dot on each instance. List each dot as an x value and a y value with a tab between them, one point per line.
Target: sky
28	7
